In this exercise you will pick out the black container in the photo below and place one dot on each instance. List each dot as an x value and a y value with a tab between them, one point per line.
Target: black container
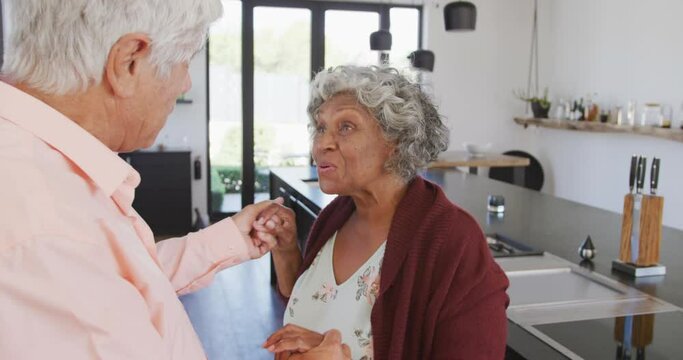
460	16
380	40
422	59
539	111
495	203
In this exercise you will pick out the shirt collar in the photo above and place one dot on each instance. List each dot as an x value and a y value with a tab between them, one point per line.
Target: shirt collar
99	162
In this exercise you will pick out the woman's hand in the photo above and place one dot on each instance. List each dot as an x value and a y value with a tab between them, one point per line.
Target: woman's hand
331	348
282	223
292	339
259	241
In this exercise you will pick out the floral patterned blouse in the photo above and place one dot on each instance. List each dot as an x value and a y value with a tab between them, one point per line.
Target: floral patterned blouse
319	304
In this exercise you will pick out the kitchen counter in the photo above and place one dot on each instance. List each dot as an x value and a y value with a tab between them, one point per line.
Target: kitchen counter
538	220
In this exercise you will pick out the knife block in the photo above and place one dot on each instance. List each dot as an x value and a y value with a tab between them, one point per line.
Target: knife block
642	330
651	209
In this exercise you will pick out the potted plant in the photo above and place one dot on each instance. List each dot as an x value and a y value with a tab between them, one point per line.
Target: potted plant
539	105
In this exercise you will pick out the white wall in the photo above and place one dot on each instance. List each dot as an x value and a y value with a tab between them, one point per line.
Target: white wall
621	49
628	49
476	72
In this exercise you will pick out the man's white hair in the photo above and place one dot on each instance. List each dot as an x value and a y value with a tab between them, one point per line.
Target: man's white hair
61	46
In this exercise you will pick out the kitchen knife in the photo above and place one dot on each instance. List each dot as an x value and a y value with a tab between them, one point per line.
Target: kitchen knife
635	218
632	173
654	176
640	174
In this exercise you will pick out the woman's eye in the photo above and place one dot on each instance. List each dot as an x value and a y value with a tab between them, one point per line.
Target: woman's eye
345	128
319	129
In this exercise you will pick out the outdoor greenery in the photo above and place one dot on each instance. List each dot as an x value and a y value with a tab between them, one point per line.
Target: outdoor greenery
228	180
274	52
231	147
226	169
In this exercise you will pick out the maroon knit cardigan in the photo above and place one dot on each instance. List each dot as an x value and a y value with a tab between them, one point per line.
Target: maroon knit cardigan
441	294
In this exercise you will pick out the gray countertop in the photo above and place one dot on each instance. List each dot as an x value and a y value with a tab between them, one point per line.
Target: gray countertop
541	221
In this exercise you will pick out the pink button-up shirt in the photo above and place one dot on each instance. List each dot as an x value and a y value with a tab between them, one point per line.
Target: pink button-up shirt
80	274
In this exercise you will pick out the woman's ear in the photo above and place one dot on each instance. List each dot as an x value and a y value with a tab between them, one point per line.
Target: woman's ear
127	60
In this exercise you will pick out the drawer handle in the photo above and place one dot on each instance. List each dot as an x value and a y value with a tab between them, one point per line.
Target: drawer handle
306	209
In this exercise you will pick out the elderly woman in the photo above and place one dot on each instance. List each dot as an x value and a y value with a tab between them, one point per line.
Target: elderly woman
401	271
81	276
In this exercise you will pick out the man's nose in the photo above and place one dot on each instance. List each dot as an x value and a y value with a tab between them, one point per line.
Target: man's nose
188	83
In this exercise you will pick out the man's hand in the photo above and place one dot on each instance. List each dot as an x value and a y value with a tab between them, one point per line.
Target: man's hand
282	223
258	241
295	342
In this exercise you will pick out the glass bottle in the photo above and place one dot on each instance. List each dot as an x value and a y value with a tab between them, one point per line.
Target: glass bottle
631	113
618	115
667	116
651	115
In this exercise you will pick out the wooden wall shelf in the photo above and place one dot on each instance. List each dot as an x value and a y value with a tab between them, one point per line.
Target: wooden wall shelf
669	134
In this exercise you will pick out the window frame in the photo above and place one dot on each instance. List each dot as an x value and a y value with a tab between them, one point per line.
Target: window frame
318	9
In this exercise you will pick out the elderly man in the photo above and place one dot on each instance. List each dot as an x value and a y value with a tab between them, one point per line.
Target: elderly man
80	274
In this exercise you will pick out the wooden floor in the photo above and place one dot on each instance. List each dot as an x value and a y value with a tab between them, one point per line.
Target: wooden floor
237	312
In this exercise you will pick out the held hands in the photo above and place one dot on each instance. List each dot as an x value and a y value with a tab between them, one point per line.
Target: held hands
261	240
280	222
330	349
296	343
267	225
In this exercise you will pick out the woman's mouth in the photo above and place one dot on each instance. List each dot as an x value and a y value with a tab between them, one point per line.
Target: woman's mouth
325	167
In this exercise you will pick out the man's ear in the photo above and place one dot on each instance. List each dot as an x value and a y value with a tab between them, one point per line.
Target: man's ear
127	59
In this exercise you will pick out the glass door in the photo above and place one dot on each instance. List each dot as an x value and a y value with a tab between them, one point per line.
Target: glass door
225	110
282	72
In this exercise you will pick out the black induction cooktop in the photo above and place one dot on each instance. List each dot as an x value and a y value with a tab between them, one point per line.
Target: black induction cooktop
503	246
649	336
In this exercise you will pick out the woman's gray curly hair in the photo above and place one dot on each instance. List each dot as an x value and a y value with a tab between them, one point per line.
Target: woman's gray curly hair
406	115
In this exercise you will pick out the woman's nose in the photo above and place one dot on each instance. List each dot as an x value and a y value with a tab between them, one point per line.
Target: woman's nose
324	142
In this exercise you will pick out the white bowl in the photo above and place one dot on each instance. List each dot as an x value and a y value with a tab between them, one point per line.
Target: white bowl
477	149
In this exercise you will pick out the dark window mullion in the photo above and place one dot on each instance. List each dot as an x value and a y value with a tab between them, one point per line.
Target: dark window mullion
248	167
317	39
317	44
419	28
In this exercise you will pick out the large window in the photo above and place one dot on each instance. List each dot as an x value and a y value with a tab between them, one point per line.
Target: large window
346	44
225	110
262	56
282	70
